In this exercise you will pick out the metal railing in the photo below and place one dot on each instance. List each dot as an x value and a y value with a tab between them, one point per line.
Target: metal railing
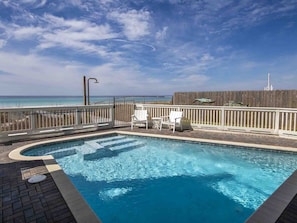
279	121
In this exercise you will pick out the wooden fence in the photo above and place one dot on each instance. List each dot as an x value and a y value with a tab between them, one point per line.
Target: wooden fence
276	98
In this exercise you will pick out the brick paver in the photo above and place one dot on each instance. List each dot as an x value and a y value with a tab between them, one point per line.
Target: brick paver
25	202
226	136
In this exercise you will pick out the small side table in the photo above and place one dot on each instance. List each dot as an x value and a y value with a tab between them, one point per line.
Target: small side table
157	122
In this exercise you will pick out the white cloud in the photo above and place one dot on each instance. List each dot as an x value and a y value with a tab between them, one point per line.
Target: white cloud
190	80
28	1
52	31
135	23
2	43
206	57
161	35
79	30
37	75
21	33
133	46
41	3
35	3
78	35
220	18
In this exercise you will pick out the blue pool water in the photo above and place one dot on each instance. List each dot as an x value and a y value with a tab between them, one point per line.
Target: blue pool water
142	179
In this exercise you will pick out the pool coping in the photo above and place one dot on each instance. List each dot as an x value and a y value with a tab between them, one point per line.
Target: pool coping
269	211
275	205
79	208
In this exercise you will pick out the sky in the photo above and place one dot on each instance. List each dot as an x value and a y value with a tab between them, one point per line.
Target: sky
146	47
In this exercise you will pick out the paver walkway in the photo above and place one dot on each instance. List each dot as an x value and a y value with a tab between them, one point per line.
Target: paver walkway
25	202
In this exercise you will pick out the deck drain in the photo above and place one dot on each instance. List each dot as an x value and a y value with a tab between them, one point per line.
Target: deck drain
36	178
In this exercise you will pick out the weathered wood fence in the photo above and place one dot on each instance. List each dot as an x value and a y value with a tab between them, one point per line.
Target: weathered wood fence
276	98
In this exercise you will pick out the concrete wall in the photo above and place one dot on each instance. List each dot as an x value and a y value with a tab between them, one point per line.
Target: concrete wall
275	98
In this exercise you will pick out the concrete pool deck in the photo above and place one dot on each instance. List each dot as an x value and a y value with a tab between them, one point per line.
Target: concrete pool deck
56	200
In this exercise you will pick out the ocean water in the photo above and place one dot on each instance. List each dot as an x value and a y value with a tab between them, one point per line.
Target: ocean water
143	179
27	101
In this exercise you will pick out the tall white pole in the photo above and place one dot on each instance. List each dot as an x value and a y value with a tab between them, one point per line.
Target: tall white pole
268	85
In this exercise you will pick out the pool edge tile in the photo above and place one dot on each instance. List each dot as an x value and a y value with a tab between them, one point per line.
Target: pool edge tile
81	211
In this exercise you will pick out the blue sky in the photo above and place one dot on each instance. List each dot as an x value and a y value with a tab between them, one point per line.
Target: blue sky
142	47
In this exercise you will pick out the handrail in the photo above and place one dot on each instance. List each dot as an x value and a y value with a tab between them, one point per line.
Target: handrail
30	122
27	122
277	121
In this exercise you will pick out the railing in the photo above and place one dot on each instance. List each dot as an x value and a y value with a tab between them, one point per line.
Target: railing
35	122
281	121
26	123
29	122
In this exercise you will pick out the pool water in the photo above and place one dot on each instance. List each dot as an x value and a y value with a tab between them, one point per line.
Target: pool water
143	179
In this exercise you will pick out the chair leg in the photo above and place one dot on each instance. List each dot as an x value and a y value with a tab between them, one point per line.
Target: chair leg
146	124
173	128
132	125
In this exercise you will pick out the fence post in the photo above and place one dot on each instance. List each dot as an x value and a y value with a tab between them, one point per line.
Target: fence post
112	113
276	124
78	117
222	117
33	120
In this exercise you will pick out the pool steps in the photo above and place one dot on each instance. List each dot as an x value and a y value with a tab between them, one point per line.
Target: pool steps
112	146
62	153
115	144
93	144
109	139
100	148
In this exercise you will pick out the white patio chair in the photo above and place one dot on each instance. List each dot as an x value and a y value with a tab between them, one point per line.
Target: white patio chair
173	120
139	117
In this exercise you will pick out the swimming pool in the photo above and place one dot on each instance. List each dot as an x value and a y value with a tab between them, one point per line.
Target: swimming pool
141	179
